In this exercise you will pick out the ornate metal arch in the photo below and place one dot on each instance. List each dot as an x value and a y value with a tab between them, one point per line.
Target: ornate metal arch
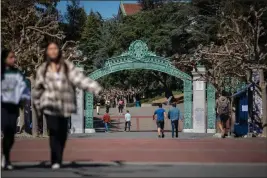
139	57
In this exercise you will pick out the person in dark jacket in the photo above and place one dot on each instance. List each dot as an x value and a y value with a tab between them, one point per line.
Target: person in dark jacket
13	86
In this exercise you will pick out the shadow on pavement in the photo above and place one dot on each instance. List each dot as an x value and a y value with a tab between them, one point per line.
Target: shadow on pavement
73	164
99	125
77	169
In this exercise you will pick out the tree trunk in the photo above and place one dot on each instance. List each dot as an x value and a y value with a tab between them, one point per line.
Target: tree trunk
264	102
44	126
21	120
34	116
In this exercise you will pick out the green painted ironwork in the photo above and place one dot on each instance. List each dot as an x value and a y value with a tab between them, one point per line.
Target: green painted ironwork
211	91
139	57
188	94
78	64
89	110
233	85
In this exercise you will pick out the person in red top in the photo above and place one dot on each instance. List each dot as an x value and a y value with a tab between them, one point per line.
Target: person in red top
106	120
121	106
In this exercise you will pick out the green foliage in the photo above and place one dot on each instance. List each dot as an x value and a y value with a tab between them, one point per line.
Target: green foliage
157	97
169	29
162	28
150	4
90	38
165	29
48	6
76	18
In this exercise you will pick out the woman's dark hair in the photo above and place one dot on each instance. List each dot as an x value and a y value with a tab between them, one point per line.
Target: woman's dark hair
45	52
4	55
59	58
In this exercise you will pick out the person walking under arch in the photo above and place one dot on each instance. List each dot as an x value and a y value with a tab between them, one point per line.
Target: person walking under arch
98	108
127	121
120	107
174	116
54	96
106	120
161	115
107	105
169	96
13	85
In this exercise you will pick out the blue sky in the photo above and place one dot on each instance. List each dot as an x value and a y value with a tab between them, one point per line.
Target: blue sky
106	8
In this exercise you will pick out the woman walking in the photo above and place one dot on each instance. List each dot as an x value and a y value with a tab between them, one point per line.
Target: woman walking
12	90
120	107
54	96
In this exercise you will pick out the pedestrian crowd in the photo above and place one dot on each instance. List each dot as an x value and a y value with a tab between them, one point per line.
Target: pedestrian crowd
114	95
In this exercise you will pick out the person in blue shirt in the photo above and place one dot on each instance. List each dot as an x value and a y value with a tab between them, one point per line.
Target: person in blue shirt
174	116
161	115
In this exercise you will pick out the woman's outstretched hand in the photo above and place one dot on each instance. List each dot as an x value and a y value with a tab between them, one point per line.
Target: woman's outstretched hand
96	90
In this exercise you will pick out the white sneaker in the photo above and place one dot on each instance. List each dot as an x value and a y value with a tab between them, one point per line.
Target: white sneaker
9	167
3	162
4	165
55	166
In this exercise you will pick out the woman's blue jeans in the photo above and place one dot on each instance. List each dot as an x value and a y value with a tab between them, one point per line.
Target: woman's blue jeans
106	126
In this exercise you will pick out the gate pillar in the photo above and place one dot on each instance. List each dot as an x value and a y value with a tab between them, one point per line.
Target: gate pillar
199	101
77	119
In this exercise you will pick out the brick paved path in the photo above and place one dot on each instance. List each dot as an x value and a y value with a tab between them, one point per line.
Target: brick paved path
141	119
142	111
147	150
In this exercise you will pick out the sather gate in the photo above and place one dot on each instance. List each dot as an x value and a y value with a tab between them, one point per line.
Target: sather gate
139	57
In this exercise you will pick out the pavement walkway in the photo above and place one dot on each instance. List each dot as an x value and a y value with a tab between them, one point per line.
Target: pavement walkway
142	111
142	154
139	170
141	119
146	147
140	135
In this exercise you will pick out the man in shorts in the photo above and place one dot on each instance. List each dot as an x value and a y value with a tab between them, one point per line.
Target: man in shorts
161	115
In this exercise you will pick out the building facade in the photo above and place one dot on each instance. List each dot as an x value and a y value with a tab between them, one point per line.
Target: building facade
126	9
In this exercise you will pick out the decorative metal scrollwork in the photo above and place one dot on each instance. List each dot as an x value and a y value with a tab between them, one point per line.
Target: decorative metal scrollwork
188	95
211	91
139	57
